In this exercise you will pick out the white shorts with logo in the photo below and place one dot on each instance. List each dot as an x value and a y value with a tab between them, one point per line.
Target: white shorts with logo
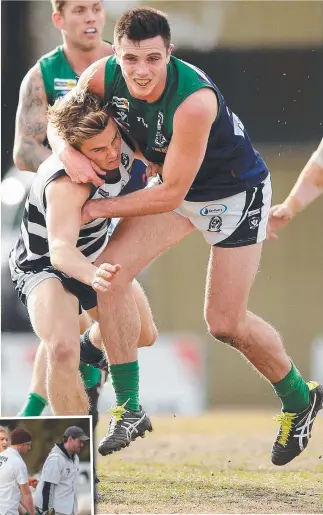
233	221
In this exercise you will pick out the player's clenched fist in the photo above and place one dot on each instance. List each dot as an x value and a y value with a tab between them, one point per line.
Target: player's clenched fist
279	216
32	481
104	274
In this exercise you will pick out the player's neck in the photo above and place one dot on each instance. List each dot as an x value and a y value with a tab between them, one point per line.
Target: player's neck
79	59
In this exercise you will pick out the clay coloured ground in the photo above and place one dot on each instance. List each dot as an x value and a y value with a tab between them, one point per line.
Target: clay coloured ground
215	463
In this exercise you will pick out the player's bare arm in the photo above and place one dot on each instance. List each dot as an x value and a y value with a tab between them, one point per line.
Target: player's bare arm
192	124
63	219
27	499
78	167
308	187
31	124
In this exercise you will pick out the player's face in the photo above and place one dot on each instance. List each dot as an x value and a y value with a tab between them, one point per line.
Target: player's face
104	148
24	448
76	445
4	441
144	66
82	23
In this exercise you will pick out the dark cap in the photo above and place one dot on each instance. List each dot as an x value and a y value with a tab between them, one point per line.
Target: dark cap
75	432
20	436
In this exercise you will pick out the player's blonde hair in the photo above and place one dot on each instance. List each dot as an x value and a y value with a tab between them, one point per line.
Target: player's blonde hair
79	116
4	429
58	5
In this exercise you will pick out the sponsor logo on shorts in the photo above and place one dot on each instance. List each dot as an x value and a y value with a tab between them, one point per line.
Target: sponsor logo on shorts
254	222
254	212
104	193
215	224
64	84
213	209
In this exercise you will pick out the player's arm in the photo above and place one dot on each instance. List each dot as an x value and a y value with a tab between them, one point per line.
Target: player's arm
63	218
26	498
31	123
191	130
308	187
79	167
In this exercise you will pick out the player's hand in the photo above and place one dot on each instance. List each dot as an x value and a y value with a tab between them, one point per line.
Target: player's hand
153	170
79	168
279	216
32	481
104	274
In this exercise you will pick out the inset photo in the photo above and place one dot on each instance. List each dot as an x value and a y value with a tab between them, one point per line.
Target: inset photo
46	466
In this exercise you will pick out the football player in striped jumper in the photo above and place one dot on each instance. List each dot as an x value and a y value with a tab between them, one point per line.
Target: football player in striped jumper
81	24
52	262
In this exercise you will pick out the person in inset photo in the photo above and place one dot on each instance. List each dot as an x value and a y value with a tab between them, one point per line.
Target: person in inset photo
14	485
4	438
56	489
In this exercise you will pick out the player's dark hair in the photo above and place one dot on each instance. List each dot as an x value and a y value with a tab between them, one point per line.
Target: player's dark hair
142	23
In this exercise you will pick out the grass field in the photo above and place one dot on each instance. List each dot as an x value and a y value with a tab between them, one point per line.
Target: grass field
215	463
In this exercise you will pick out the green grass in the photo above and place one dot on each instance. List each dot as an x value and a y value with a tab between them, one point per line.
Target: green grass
216	463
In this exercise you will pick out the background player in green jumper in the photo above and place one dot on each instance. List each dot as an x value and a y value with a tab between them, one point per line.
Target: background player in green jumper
81	24
217	183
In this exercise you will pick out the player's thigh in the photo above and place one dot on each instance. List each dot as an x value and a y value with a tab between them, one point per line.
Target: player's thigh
53	312
230	275
137	241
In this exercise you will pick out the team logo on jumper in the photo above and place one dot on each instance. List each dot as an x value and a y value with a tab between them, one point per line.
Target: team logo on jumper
254	222
215	224
213	209
104	193
160	139
122	109
64	84
68	471
125	160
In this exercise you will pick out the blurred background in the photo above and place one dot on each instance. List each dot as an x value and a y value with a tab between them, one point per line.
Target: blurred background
266	58
45	434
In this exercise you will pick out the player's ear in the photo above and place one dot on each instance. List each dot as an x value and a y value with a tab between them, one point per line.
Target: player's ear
115	52
169	52
57	20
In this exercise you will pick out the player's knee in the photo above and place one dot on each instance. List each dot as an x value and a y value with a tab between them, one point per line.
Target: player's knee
62	352
224	329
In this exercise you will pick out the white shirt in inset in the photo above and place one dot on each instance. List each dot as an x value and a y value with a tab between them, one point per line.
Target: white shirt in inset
13	473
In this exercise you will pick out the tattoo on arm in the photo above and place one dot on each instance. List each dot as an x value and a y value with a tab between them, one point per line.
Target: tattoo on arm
31	122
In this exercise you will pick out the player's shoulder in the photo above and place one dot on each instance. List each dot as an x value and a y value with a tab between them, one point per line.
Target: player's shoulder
94	76
199	104
33	77
53	55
